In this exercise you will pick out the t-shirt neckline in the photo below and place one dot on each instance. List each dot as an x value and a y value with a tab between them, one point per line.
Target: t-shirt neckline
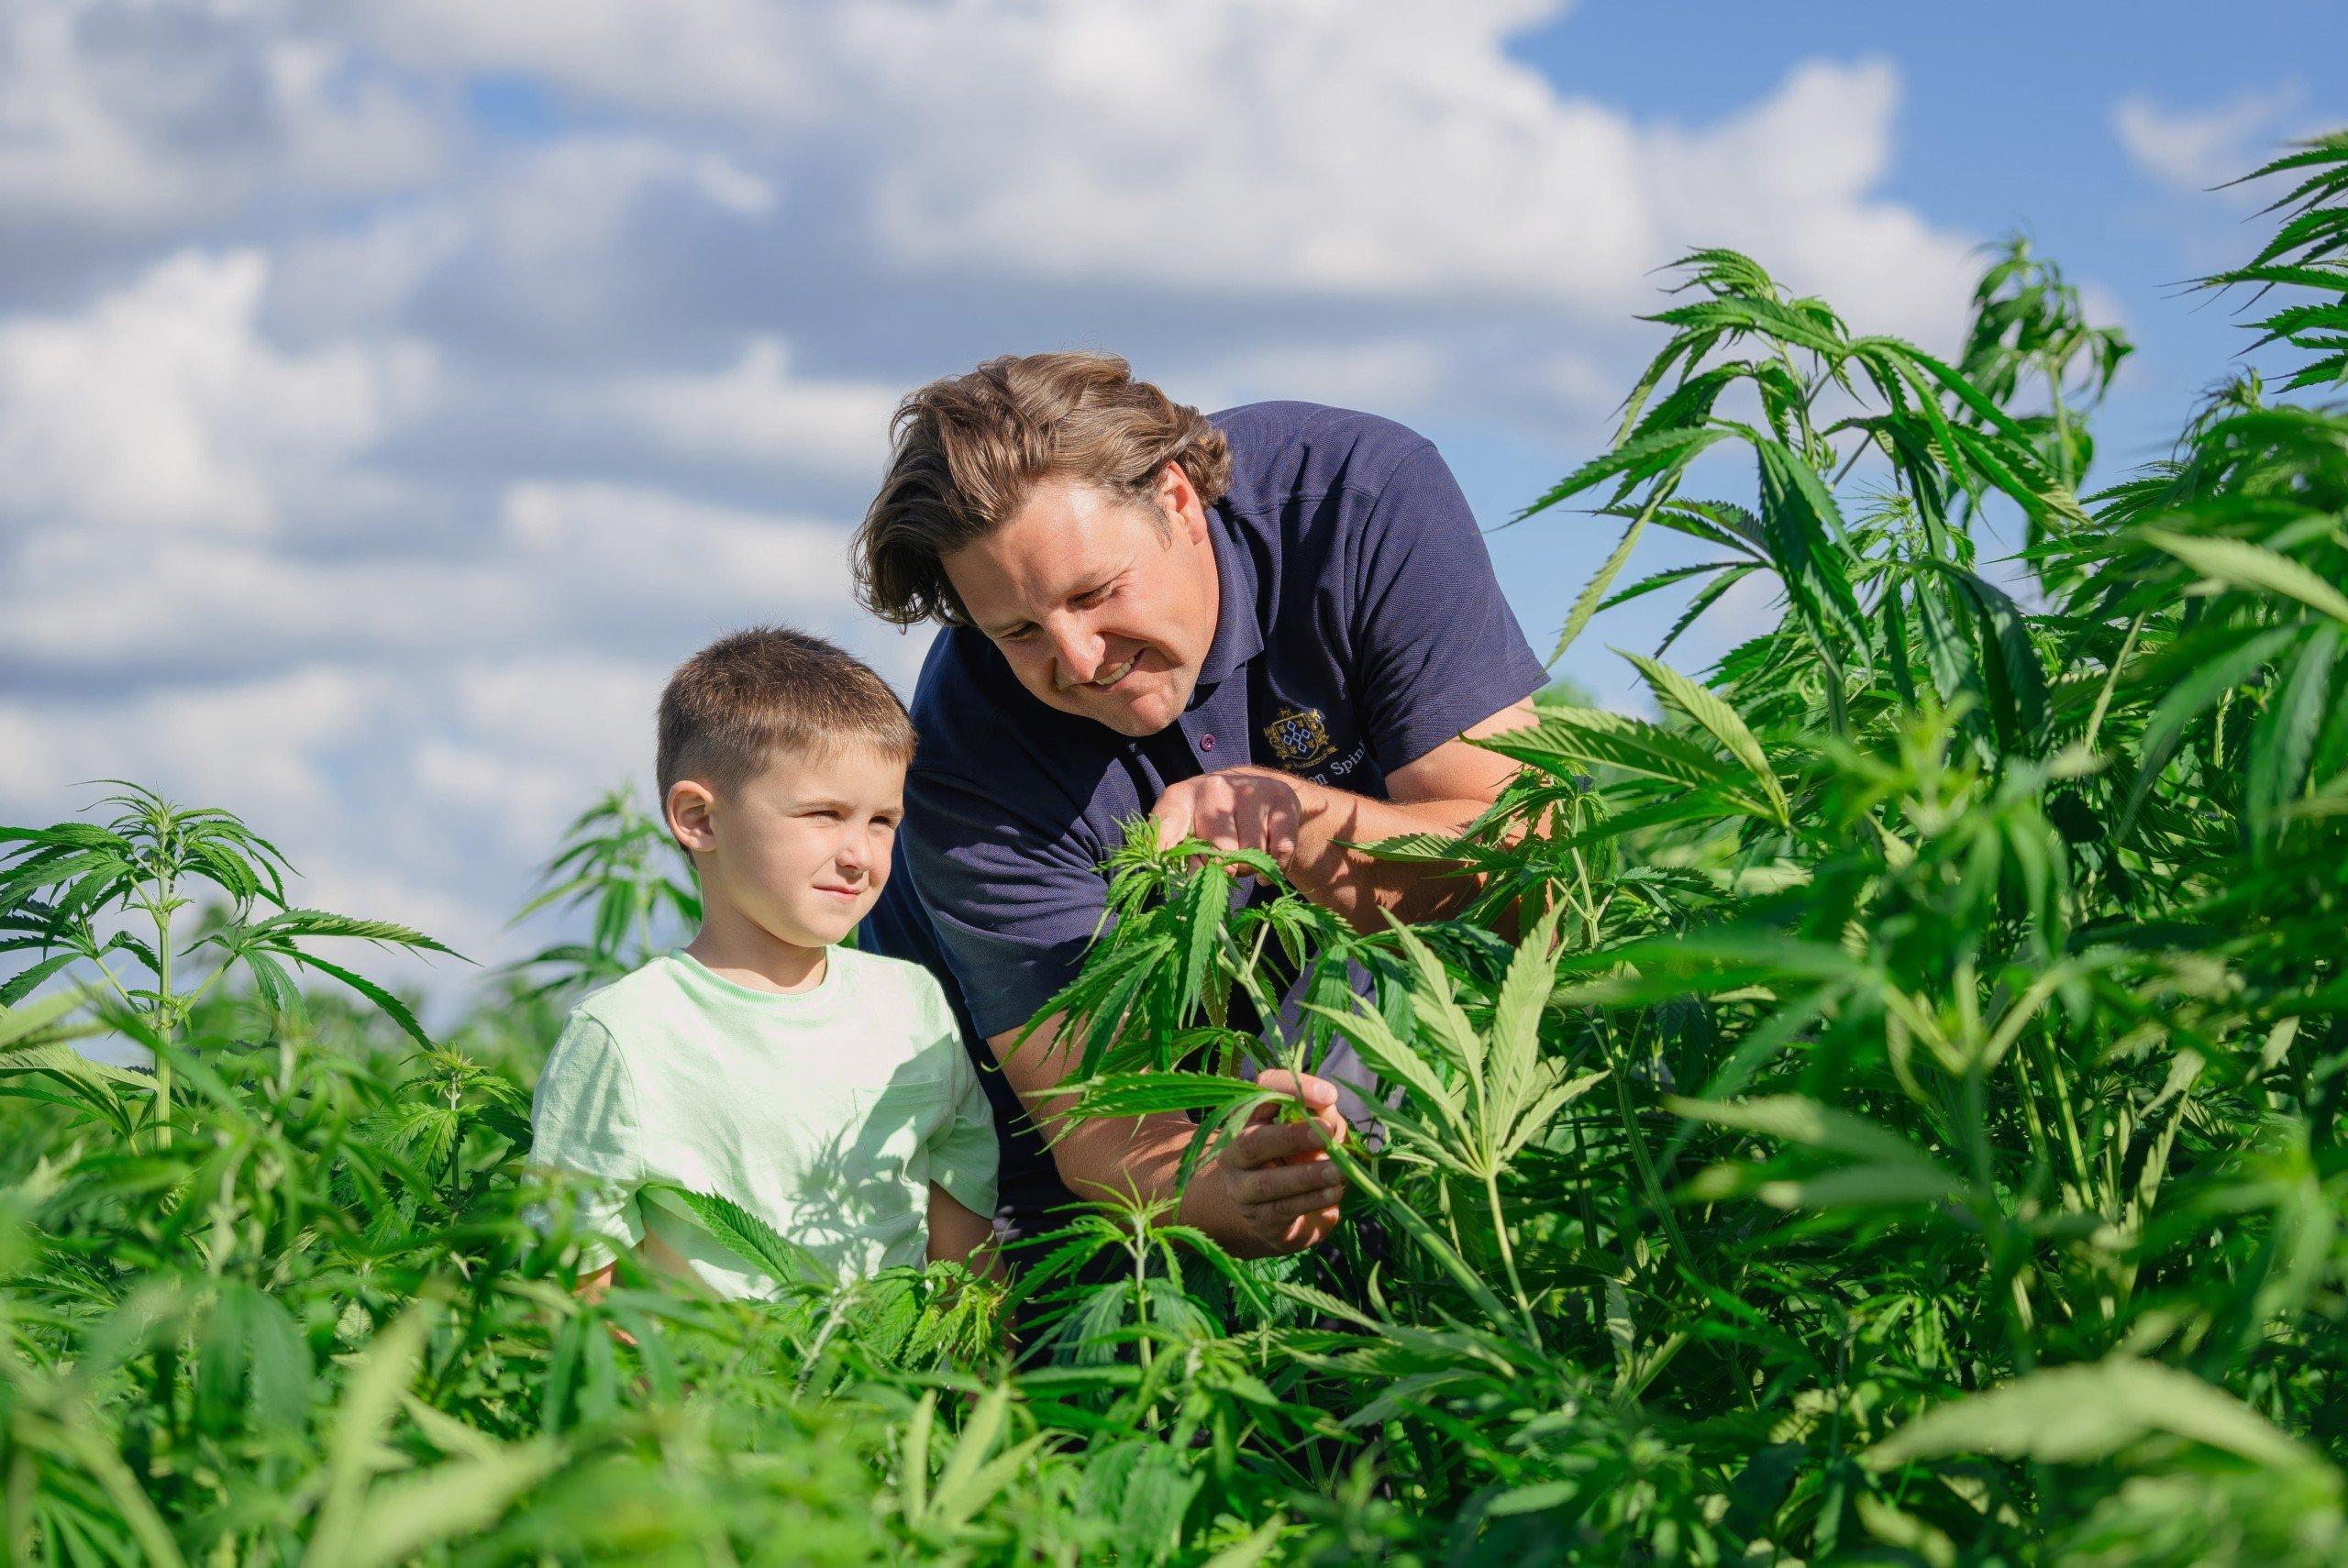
822	990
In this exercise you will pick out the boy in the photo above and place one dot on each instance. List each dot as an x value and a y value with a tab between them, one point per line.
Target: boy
824	1090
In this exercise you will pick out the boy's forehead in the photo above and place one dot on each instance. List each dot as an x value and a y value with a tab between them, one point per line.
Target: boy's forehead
851	764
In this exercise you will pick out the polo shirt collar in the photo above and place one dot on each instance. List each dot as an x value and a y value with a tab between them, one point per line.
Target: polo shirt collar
1238	636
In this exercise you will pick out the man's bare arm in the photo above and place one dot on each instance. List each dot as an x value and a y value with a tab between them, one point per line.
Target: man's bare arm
1305	826
1249	1199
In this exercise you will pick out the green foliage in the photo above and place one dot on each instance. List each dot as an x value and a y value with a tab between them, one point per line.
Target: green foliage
1884	1108
618	863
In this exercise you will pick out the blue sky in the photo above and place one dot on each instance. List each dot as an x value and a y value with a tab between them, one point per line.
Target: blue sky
390	393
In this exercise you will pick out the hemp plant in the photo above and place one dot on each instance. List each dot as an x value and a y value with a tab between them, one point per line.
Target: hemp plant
616	860
107	904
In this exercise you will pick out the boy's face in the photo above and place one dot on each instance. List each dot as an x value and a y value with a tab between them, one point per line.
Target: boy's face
802	846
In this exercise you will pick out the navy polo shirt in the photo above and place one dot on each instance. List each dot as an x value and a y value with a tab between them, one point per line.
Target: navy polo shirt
1361	626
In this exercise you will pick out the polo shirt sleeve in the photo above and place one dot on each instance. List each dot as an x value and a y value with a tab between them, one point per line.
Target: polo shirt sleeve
1438	646
583	1123
1014	898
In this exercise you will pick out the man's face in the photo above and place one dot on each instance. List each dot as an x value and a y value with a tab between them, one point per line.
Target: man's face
803	846
1104	604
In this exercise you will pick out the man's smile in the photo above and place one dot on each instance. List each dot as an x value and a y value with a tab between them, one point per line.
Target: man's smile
1105	681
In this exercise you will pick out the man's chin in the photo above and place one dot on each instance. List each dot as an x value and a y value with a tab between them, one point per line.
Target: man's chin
1149	714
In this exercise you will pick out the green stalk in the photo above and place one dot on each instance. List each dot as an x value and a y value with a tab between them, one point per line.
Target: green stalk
1648	1181
1414	1224
1508	1255
161	1017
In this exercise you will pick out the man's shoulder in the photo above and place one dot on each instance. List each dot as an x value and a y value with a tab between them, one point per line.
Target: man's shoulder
1282	449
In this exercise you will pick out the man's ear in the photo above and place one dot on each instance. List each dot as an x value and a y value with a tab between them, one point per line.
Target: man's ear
1178	499
687	810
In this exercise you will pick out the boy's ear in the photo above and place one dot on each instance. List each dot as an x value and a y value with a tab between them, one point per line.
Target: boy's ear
687	810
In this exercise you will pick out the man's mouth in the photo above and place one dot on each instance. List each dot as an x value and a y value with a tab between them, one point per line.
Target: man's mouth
1108	679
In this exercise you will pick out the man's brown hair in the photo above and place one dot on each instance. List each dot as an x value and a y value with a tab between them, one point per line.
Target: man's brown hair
732	706
966	451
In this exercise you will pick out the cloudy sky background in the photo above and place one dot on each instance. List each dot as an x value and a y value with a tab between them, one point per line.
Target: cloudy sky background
391	394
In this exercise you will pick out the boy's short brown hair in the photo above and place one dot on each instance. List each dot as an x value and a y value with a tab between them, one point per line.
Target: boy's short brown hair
969	447
732	706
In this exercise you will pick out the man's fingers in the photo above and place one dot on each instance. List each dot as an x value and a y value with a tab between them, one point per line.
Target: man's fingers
1274	1183
1316	1093
1323	1203
1271	1143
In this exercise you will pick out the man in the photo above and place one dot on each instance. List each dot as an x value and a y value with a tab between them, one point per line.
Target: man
1268	629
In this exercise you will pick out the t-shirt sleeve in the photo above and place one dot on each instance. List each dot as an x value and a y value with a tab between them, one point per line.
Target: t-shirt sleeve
583	1122
962	1153
1438	648
1013	899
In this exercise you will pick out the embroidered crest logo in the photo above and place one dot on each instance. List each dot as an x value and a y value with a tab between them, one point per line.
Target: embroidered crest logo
1298	739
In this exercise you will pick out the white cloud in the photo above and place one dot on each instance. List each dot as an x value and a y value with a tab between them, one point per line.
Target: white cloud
257	746
637	549
753	59
574	239
1375	148
127	119
1378	149
162	405
62	152
536	736
349	132
1787	182
758	411
488	759
2194	149
1395	375
567	564
1372	149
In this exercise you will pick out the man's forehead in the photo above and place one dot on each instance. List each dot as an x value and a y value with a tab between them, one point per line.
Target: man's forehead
1043	555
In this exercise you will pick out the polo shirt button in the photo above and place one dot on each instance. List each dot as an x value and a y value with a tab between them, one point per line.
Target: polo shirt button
1206	742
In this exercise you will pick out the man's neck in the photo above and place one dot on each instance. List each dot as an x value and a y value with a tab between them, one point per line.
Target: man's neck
735	947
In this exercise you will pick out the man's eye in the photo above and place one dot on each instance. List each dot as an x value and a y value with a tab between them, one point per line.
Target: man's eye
1021	636
1095	595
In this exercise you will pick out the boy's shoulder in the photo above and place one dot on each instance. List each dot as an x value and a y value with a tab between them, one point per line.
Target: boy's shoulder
653	990
877	975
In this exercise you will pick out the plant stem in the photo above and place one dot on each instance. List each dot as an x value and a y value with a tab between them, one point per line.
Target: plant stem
162	1015
1508	1255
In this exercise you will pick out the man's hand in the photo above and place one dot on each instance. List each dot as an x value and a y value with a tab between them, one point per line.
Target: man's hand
1282	1185
1305	826
1238	808
1273	1189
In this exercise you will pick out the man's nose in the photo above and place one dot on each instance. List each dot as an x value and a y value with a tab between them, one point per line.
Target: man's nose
1076	649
